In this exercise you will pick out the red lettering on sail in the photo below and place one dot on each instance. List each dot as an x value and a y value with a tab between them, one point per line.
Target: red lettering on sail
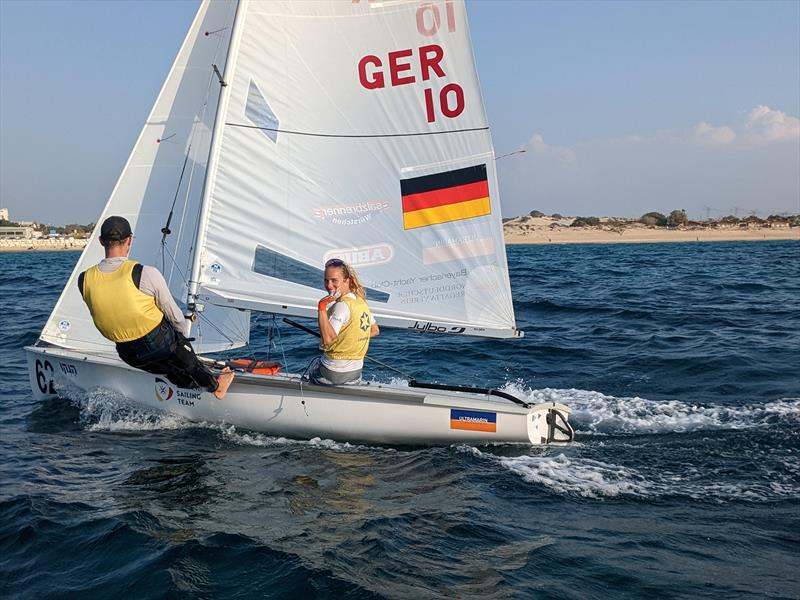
374	79
429	59
396	67
401	67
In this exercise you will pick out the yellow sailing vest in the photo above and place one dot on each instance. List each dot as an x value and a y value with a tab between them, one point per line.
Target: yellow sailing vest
353	339
120	310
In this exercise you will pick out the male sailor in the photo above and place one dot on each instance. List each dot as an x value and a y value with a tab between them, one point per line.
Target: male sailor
131	305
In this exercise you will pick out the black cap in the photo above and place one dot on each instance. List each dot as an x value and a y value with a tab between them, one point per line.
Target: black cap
115	229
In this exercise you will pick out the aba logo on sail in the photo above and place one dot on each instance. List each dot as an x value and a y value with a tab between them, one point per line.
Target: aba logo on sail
164	390
362	256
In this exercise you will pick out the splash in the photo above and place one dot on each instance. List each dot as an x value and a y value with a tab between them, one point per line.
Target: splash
250	438
589	478
104	410
598	414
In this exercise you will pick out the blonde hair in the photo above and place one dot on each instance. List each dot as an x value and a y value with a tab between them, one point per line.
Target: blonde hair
349	273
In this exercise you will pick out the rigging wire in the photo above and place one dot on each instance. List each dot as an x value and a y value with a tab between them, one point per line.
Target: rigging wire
165	231
271	328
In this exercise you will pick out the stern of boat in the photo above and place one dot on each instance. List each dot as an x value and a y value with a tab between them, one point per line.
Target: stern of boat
548	423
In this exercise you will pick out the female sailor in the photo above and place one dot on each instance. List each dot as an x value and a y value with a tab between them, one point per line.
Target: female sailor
345	324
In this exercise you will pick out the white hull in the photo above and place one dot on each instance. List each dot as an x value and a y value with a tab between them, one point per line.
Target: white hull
282	405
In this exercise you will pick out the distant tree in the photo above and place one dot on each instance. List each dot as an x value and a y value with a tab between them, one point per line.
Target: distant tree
77	229
730	219
653	218
677	218
536	213
585	222
556	216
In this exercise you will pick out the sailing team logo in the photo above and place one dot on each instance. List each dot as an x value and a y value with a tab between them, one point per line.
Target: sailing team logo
164	390
444	197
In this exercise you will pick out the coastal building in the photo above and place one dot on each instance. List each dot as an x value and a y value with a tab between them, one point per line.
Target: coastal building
4	214
18	233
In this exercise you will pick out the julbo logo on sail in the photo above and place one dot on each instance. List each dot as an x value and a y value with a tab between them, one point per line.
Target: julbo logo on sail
431	328
405	66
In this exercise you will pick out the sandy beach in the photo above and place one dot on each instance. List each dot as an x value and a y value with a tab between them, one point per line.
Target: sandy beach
537	230
547	230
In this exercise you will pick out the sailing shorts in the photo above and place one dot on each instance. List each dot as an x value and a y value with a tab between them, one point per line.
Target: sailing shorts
322	375
163	351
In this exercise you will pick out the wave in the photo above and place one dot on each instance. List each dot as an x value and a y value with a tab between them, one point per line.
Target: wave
590	478
261	440
594	413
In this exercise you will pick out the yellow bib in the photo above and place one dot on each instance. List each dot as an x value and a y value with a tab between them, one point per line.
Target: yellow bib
353	339
120	310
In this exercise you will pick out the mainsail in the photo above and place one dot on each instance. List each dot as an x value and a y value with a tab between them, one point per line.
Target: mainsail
166	166
289	132
356	130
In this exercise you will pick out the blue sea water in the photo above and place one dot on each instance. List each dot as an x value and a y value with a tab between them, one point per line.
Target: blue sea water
681	363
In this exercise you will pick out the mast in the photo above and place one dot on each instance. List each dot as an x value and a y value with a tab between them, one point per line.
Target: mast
208	183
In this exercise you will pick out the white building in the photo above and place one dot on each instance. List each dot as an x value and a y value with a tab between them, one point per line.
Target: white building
4	214
18	233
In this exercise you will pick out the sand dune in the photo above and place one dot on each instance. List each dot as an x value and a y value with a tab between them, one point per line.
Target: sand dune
546	230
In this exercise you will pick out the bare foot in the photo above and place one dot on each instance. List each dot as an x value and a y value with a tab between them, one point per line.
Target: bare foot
223	383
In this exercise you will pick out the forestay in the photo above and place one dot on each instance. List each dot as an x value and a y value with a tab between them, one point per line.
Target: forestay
167	163
356	130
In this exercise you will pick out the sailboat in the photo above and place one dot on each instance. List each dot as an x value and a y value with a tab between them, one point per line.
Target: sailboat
289	132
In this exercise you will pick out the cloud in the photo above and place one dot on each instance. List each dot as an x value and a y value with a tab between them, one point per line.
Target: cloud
705	133
539	147
765	124
742	162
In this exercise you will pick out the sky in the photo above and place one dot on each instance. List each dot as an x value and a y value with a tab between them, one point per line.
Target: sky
622	108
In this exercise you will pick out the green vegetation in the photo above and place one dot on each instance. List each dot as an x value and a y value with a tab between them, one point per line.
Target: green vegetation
585	222
74	229
653	219
677	218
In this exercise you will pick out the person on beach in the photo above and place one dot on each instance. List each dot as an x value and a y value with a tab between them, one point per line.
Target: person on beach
131	305
345	326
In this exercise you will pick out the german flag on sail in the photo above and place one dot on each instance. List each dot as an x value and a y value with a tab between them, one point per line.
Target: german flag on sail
445	197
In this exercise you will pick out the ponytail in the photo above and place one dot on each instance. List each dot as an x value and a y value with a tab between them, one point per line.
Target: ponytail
355	283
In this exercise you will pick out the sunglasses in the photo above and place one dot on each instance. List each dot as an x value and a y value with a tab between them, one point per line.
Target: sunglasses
339	264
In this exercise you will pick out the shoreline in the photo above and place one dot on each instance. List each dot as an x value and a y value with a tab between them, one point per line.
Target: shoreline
634	236
42	246
550	230
515	234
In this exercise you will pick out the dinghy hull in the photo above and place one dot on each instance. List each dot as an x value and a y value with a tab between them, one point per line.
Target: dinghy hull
283	405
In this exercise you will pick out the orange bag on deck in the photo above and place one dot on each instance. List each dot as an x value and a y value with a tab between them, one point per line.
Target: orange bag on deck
257	367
